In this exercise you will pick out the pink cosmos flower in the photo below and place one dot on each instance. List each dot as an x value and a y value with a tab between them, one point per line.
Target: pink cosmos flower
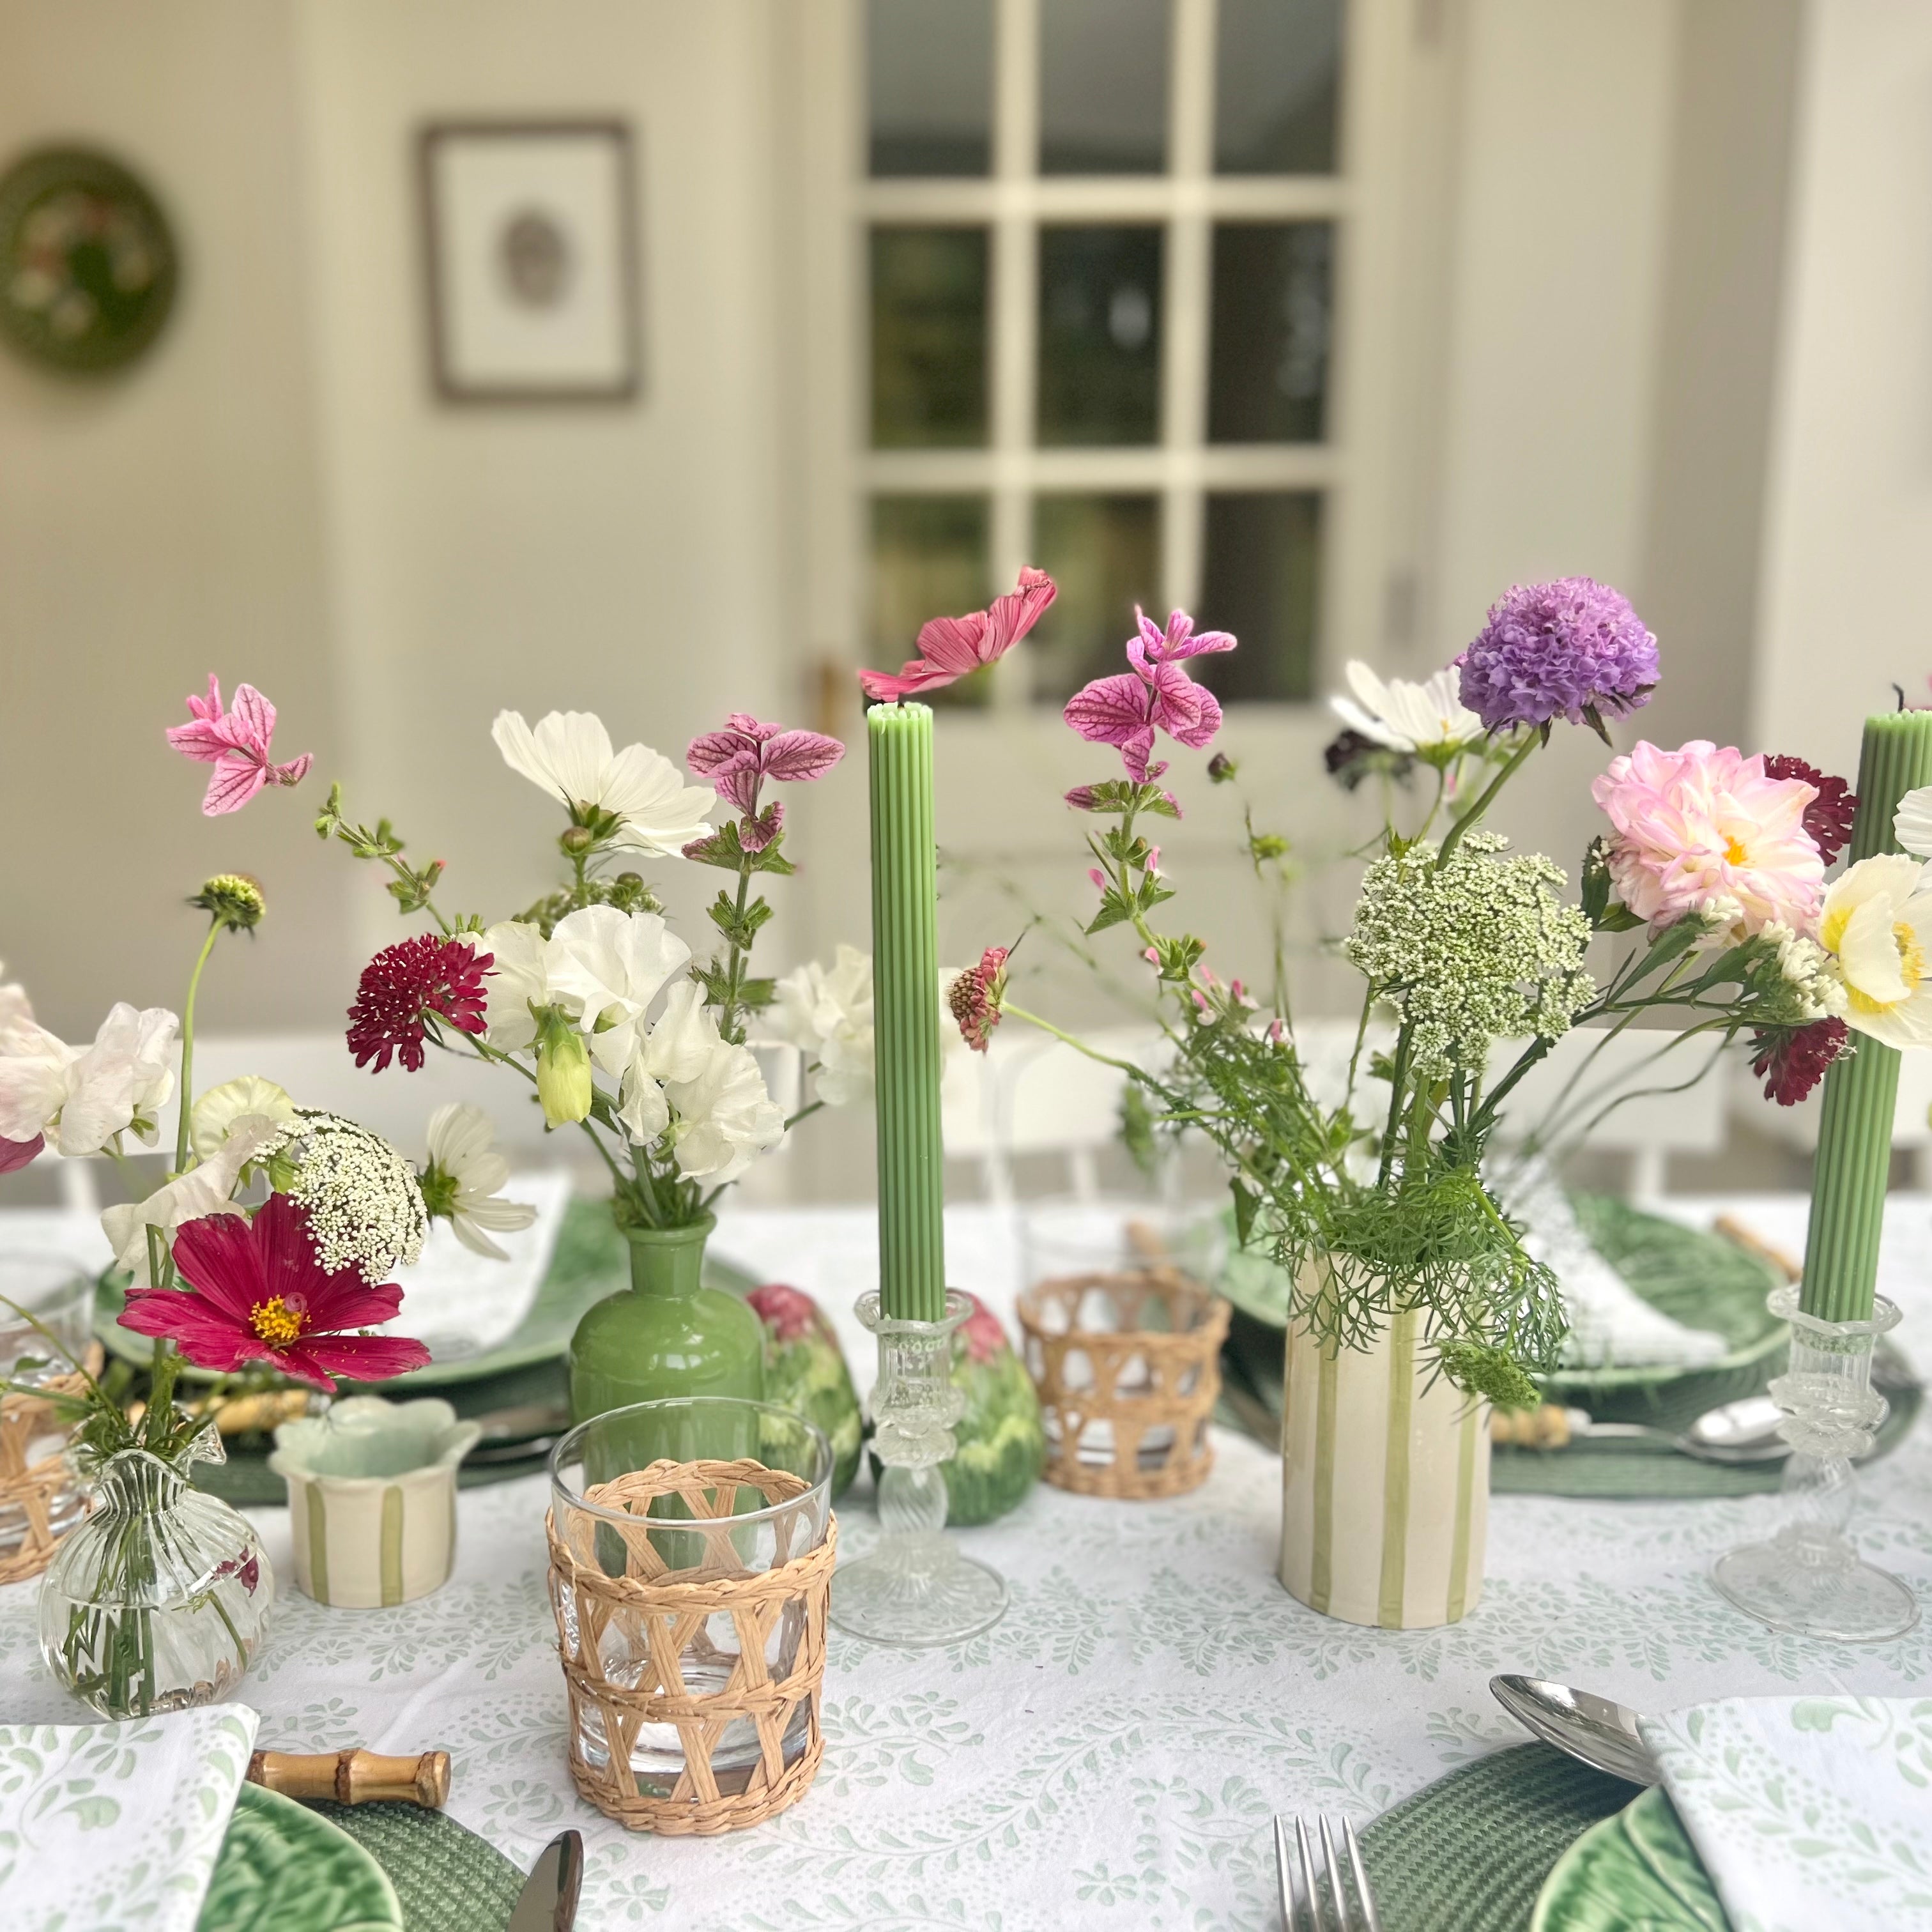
738	759
1702	830
262	1295
236	744
949	647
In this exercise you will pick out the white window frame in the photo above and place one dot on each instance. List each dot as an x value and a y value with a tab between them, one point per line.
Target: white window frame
1388	199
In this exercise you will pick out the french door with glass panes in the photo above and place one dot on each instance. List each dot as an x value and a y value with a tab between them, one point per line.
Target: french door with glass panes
1118	293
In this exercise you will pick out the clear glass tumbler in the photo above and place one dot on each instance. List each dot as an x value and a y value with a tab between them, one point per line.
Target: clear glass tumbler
661	1540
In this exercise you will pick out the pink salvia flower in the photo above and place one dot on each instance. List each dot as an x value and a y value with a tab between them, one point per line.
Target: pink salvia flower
738	759
950	647
1099	877
1154	647
236	743
1125	710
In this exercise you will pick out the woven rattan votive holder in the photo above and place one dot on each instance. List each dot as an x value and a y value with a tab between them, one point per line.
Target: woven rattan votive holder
690	1598
41	1496
1128	1367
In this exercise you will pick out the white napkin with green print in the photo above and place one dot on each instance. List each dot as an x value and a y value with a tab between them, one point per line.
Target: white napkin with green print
1808	1812
113	1827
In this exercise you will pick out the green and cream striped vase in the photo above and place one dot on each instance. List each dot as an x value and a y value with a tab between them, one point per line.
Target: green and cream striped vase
1385	1483
361	1542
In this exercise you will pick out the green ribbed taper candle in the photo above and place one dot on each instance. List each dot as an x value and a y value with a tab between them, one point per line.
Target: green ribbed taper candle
1855	1133
905	1014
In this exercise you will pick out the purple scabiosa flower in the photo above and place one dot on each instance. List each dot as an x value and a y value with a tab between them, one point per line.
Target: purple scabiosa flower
1572	649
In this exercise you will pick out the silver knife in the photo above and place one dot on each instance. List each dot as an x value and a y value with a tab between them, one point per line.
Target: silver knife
548	1901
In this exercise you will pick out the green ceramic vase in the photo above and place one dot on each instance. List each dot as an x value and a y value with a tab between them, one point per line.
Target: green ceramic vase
667	1334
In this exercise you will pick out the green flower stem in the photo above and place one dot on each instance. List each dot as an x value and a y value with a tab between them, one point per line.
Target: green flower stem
734	971
1468	820
1126	1067
188	1048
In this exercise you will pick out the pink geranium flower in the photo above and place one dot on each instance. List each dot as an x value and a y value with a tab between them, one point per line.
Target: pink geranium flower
950	647
1705	830
262	1295
236	744
738	759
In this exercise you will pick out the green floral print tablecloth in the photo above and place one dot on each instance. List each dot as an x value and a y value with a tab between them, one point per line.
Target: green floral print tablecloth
1110	1755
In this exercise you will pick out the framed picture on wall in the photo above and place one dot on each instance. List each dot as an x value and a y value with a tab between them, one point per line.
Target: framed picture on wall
529	243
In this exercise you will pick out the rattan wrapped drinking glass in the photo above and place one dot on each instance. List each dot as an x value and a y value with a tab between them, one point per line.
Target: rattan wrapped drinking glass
46	1312
692	1546
1128	1368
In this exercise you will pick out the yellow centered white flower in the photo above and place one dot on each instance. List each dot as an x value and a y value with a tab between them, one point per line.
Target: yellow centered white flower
1407	717
1877	923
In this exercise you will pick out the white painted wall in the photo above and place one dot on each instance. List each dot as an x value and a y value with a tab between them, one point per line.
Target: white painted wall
1848	539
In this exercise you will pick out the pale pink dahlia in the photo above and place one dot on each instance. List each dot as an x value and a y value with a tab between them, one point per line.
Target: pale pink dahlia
1702	830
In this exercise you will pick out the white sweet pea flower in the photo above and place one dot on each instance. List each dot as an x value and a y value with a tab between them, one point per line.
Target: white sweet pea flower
464	1179
569	755
1912	822
1407	717
202	1191
725	1118
82	1098
221	1107
519	980
680	1046
606	966
826	1012
16	1016
1877	923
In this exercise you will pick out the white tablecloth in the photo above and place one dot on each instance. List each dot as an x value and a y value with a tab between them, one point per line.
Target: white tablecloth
1109	1755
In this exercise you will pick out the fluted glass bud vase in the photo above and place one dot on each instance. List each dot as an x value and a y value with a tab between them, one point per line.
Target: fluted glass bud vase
1807	1578
159	1600
915	1589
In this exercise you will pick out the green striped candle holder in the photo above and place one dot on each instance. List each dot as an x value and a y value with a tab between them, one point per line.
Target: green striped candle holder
1385	1482
372	1499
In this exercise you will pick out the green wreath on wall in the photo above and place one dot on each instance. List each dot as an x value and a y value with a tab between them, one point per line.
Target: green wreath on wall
88	266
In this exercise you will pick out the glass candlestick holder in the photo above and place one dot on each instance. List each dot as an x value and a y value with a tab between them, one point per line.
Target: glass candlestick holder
915	1589
1807	1578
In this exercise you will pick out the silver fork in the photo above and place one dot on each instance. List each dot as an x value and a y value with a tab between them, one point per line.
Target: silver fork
1303	1907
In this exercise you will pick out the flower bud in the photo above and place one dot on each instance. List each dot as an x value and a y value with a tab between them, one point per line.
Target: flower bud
563	1071
577	841
235	900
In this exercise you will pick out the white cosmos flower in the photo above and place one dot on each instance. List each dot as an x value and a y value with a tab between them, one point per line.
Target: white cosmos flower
606	967
81	1098
1407	717
1877	923
221	1107
464	1180
1912	822
569	755
202	1191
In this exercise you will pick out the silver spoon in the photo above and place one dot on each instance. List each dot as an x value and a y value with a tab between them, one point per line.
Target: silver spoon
1600	1733
1739	1432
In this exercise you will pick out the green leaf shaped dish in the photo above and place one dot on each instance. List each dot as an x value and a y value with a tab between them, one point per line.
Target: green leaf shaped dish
283	1869
1637	1872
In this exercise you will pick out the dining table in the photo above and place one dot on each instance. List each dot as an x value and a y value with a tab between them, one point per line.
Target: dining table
1112	1753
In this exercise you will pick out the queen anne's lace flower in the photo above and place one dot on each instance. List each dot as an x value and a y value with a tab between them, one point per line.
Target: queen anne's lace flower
365	1209
1812	983
1481	950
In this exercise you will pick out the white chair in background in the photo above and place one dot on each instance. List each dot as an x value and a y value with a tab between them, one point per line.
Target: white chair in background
1030	1093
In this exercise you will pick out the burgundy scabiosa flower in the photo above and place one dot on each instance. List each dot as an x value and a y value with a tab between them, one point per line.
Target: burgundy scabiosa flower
1829	817
1570	649
262	1294
409	986
975	997
1791	1061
